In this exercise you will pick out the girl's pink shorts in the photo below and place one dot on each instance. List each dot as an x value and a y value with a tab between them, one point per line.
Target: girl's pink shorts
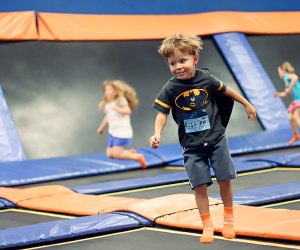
292	107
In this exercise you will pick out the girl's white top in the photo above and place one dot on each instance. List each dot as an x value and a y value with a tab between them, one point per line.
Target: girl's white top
119	125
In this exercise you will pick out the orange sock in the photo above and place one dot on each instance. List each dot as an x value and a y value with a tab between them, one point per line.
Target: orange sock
142	161
295	138
228	228
208	229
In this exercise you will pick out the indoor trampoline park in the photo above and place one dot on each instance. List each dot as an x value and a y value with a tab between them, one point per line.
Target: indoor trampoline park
58	187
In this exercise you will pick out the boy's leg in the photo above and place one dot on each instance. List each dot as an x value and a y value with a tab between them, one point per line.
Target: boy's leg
227	198
202	202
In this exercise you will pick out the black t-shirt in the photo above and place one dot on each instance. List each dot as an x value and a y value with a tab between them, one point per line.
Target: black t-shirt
193	105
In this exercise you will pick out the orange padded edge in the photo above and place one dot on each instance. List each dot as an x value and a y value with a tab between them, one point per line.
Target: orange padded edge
63	200
54	26
178	210
18	26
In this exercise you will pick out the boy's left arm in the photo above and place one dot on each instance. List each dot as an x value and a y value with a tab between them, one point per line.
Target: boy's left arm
250	110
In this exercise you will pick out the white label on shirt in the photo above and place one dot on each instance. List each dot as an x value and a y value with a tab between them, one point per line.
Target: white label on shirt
196	124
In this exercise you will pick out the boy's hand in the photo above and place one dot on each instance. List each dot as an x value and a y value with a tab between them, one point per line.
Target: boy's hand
154	141
251	112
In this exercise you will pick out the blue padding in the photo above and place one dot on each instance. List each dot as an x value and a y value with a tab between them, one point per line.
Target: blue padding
175	163
293	160
253	79
267	194
69	228
146	6
167	153
33	171
261	141
256	142
121	185
246	166
10	145
241	166
6	203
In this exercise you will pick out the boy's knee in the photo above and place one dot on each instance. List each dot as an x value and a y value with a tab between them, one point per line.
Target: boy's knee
201	188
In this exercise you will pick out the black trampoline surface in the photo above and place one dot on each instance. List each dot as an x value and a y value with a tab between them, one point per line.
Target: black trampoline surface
10	218
166	239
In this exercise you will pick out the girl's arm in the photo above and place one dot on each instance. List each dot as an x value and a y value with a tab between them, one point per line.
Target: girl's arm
288	90
160	122
250	110
123	109
294	79
102	126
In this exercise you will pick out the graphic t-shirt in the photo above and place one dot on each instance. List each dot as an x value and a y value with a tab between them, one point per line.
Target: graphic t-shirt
119	125
193	106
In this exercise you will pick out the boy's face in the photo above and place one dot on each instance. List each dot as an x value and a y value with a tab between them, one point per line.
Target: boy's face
182	65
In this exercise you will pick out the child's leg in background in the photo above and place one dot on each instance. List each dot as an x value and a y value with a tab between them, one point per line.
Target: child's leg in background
128	154
297	117
202	202
293	121
116	148
227	198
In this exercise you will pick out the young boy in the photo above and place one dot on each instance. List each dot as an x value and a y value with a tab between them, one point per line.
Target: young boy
191	95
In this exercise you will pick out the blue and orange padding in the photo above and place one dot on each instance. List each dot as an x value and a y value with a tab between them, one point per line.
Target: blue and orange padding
177	210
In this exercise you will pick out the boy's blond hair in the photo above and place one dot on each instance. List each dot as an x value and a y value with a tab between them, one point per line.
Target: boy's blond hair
123	90
187	43
287	66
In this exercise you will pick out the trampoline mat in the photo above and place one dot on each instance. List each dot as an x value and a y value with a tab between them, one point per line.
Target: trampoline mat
149	239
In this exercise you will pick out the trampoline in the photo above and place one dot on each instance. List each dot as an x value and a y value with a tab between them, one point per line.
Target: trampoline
67	194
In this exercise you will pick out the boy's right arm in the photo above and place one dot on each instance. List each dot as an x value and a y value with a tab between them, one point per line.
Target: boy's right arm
160	123
250	110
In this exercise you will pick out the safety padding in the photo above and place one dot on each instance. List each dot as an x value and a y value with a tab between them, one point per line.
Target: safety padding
10	144
289	158
133	183
33	171
60	199
178	210
18	25
241	166
267	194
147	7
167	153
6	204
293	160
69	228
261	141
253	79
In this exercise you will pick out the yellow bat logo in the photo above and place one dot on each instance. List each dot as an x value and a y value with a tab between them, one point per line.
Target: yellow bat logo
191	99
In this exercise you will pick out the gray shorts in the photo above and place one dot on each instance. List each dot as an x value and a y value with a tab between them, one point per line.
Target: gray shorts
215	154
